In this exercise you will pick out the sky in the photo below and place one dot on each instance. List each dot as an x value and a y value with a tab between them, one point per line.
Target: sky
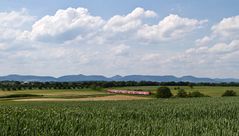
153	37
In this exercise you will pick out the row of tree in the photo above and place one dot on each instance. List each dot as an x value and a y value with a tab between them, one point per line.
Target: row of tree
198	84
16	85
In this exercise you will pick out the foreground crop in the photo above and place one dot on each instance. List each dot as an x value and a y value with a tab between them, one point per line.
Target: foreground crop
202	116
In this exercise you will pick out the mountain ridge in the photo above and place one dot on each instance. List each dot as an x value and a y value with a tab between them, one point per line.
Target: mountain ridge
81	77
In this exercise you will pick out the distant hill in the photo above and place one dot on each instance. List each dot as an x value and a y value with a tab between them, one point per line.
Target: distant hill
196	79
149	78
71	78
27	78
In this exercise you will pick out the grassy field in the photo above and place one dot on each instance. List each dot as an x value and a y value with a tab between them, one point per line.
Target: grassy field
191	116
207	90
89	94
53	92
64	95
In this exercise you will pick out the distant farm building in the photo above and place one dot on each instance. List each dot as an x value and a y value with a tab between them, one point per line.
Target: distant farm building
129	92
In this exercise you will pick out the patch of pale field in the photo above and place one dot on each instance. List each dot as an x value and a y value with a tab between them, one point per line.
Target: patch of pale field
103	98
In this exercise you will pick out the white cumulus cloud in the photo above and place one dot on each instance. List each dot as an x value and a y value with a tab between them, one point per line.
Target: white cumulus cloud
131	21
171	27
13	23
227	27
65	25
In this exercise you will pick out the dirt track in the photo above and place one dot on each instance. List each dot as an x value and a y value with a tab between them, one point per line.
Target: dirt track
105	98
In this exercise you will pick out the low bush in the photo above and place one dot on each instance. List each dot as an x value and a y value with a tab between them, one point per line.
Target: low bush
196	94
229	93
182	93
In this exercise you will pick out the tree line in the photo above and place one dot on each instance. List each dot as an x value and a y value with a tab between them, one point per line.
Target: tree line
198	84
16	85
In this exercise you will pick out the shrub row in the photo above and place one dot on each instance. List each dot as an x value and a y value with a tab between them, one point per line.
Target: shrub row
165	92
229	93
182	93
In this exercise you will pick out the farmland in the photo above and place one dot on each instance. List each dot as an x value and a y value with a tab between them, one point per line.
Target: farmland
93	112
198	116
63	95
75	94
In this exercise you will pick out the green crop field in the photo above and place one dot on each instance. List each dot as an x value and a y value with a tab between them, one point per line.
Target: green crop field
89	112
191	116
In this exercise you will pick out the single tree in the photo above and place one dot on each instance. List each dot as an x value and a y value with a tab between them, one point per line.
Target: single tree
163	92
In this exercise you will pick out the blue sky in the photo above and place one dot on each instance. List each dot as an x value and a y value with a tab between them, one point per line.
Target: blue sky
173	37
213	9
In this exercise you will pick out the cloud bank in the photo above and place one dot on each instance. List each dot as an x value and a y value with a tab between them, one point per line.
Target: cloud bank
74	41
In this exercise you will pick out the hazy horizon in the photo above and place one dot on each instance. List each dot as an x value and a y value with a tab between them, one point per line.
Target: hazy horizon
110	76
71	37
